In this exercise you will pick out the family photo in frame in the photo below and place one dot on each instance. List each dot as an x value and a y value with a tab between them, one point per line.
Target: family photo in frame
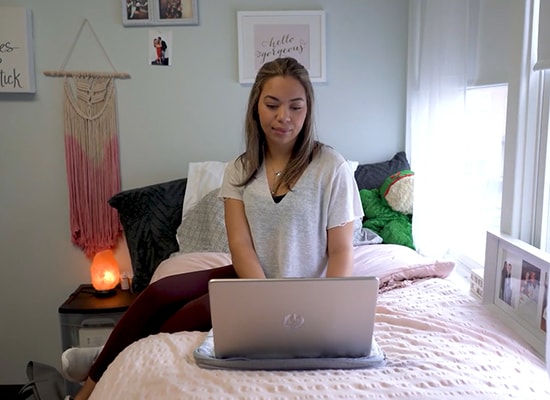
522	287
159	12
516	286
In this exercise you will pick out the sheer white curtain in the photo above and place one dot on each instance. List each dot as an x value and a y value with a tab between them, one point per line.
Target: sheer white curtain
437	81
463	73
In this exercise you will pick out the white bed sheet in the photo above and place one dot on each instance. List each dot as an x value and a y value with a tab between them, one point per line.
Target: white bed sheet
440	343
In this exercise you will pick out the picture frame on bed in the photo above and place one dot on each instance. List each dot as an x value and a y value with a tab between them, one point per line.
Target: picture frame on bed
515	285
266	35
159	12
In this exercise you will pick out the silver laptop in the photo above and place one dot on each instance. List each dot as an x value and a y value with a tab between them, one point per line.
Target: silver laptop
293	318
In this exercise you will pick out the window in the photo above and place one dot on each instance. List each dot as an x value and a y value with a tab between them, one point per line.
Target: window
481	198
544	169
477	125
534	226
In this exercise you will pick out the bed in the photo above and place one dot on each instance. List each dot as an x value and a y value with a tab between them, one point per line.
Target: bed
439	340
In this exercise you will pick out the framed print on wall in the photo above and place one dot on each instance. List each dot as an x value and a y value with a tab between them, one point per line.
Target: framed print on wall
17	74
159	12
266	35
515	285
136	12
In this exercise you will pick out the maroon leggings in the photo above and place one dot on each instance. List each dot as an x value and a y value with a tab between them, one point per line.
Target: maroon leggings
172	304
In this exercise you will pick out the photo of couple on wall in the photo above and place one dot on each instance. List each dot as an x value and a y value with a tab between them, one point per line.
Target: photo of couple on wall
160	47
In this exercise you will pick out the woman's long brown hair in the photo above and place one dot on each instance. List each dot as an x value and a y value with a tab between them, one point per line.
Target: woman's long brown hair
306	146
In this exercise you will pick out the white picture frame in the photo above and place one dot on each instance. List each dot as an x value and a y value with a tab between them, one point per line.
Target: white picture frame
266	35
159	12
515	286
17	50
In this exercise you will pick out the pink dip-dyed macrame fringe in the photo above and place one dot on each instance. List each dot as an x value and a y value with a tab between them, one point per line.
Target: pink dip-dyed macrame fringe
92	159
91	151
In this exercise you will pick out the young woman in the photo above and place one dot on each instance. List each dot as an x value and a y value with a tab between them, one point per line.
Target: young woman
290	203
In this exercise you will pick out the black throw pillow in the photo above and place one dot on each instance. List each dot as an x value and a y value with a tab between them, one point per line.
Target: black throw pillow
150	217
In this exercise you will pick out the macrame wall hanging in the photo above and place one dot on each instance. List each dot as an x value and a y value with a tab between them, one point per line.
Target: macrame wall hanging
91	152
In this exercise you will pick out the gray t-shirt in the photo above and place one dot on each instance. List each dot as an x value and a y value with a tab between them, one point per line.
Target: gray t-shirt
290	237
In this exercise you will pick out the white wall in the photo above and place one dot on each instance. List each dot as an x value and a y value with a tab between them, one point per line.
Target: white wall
168	117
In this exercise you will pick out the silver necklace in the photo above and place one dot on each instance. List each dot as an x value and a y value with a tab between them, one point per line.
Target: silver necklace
277	175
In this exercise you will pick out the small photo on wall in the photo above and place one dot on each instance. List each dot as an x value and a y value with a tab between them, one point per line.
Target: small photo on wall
137	10
177	12
160	47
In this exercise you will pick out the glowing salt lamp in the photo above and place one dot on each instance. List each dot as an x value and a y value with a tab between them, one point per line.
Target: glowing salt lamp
105	272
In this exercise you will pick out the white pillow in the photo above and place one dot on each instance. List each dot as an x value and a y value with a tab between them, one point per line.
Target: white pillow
202	178
353	165
203	229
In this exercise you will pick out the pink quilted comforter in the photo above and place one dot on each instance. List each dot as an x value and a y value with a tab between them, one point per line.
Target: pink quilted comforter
440	343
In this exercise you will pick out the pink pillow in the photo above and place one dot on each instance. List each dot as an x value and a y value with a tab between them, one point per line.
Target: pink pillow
189	262
394	263
389	262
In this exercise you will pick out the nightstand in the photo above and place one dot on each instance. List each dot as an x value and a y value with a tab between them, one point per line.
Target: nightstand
87	320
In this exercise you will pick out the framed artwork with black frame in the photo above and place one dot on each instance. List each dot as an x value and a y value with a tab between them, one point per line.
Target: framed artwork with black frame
515	285
159	12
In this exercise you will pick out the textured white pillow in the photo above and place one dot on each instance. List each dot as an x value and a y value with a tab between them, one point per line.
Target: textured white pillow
203	228
202	178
